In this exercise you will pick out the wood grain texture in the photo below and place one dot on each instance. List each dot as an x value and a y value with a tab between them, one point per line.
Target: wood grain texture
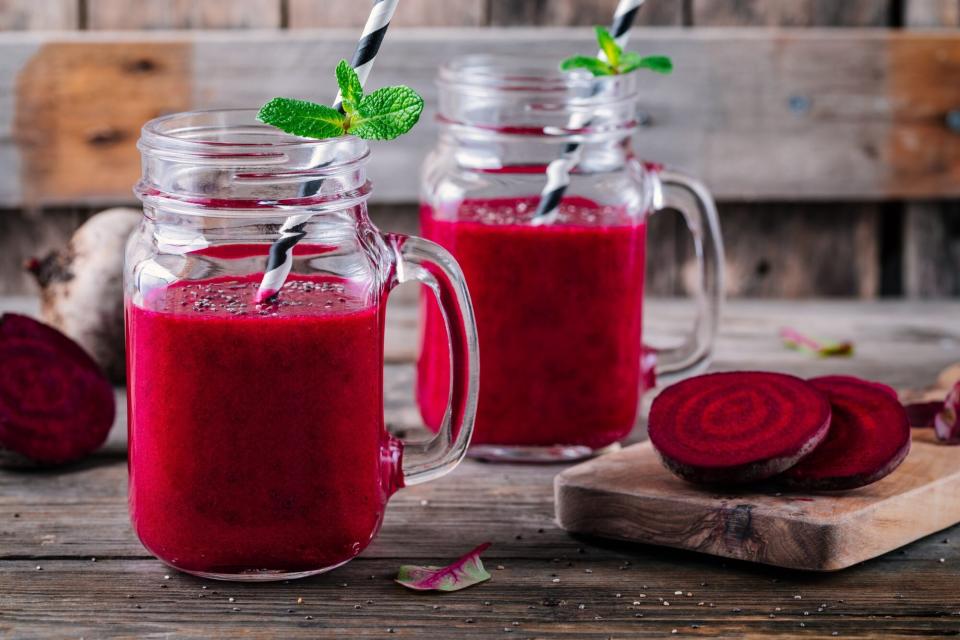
791	250
808	114
26	15
931	13
183	14
791	13
79	111
629	495
410	13
60	520
572	13
931	259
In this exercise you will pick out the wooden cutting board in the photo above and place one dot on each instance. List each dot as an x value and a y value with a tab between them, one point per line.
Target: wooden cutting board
629	495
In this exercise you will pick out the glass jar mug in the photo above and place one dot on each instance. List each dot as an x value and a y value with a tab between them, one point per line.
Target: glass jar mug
558	297
258	449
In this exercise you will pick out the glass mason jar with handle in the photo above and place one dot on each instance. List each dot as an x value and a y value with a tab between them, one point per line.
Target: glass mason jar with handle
558	298
258	449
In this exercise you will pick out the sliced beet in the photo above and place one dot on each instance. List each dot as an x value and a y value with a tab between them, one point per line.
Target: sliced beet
737	427
56	405
869	437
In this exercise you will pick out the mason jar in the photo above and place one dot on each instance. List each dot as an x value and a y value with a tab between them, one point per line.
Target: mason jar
258	449
534	186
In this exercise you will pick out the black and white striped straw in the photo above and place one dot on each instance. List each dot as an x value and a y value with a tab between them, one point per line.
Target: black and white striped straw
558	171
280	259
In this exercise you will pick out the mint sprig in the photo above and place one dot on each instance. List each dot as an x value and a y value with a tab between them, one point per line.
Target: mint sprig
615	61
385	114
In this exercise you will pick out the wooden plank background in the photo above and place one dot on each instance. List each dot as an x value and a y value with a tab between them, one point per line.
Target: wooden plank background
833	145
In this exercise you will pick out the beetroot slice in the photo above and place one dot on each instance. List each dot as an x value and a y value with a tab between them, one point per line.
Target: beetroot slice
869	437
56	405
737	427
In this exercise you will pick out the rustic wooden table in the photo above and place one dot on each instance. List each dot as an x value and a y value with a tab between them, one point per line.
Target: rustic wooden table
70	565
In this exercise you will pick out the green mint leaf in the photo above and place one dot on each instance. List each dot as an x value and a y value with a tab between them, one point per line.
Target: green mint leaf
351	91
596	66
386	113
632	60
608	46
302	118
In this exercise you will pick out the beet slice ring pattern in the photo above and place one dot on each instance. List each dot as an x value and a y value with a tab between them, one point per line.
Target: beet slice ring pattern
56	405
869	437
737	427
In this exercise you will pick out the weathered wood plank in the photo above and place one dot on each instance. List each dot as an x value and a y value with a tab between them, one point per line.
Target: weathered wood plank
931	256
796	250
931	13
791	13
810	114
572	13
27	15
183	14
309	14
901	595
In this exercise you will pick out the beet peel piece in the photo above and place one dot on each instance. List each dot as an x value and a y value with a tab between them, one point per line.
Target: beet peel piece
56	405
869	437
947	421
737	427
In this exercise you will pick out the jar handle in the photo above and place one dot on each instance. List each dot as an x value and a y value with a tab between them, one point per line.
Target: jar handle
673	190
431	265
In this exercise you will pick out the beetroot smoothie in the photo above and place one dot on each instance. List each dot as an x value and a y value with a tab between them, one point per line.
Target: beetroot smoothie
558	310
256	433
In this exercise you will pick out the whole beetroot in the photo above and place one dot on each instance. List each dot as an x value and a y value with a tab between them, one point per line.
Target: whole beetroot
82	287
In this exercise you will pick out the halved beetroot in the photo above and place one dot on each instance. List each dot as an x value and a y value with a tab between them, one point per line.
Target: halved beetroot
56	405
869	437
737	427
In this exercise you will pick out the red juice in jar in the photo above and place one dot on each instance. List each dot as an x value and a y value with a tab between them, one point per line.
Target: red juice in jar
257	440
559	314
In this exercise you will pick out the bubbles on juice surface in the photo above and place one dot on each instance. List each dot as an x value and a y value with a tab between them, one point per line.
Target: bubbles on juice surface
522	211
237	298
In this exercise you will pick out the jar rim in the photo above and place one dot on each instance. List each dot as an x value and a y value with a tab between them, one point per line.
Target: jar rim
203	131
534	74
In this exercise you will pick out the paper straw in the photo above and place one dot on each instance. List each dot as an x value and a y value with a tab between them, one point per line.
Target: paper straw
280	259
558	171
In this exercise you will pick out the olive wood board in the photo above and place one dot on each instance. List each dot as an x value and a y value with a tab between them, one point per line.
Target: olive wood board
629	495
